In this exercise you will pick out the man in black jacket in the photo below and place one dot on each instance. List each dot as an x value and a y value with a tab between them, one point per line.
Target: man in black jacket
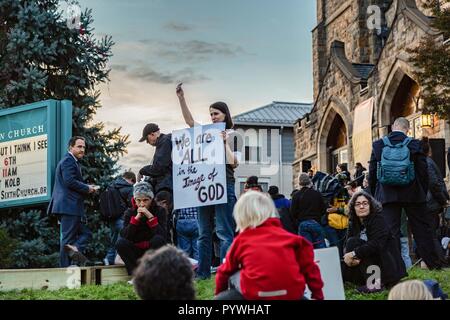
145	227
307	209
160	171
124	184
412	197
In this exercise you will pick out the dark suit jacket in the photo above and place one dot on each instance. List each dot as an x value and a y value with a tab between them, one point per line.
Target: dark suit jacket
69	190
413	193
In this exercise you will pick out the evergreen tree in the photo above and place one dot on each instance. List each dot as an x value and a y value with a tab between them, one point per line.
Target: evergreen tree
43	56
432	59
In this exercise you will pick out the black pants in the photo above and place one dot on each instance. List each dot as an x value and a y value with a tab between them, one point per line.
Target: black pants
129	253
357	274
435	226
421	227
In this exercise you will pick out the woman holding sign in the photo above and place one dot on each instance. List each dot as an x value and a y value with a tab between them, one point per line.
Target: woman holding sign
223	213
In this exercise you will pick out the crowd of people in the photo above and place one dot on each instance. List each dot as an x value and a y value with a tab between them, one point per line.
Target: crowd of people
360	214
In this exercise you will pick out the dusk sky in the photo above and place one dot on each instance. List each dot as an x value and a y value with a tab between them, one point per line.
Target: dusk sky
246	53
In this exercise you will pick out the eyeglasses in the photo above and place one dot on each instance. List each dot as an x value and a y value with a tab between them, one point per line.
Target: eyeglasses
364	204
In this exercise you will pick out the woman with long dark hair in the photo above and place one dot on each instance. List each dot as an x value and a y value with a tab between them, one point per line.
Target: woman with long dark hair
370	247
223	213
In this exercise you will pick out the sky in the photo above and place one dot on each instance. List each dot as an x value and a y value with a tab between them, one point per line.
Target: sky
246	53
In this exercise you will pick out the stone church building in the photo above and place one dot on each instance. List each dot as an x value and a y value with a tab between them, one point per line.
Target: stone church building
363	80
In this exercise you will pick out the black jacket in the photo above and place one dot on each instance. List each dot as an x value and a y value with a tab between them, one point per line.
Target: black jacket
160	171
125	189
307	204
154	234
448	158
413	193
437	195
359	176
380	246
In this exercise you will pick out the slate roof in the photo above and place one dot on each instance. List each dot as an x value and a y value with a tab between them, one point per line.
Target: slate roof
363	69
276	113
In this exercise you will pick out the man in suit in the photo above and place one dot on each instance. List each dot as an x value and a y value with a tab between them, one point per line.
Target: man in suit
160	171
67	203
411	198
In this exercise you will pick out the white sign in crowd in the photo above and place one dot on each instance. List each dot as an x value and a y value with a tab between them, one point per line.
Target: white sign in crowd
199	174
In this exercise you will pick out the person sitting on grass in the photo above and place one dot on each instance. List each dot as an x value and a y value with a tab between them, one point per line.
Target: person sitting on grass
145	227
369	244
164	274
265	262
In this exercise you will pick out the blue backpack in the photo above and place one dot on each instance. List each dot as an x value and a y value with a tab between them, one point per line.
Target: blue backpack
395	167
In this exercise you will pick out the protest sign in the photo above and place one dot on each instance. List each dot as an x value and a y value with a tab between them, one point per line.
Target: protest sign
330	269
199	176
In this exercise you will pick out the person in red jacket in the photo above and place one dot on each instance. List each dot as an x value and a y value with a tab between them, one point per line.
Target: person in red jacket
265	262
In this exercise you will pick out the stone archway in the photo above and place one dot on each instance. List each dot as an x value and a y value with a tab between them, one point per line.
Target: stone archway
397	98
334	133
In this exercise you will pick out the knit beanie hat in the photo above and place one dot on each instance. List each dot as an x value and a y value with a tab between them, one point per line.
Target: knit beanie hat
304	180
143	189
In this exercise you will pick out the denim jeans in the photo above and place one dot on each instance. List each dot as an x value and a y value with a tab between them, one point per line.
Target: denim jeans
222	216
187	235
405	252
313	232
336	238
116	226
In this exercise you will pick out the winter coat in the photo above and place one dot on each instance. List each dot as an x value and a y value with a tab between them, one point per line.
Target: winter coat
307	204
160	171
381	246
125	190
273	264
416	191
145	234
437	195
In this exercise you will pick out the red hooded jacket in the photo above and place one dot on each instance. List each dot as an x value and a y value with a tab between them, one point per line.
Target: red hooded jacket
274	264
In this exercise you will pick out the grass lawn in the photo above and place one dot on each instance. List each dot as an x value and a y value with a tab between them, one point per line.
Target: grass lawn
205	290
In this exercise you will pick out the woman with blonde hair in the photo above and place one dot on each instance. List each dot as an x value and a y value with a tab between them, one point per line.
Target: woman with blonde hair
410	290
266	262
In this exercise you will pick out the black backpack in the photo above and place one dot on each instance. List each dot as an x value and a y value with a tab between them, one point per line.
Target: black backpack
112	205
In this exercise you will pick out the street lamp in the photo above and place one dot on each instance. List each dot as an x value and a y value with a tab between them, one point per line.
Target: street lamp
427	120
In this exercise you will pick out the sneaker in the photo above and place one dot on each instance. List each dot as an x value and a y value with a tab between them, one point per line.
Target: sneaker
366	290
214	269
130	282
194	263
77	257
70	248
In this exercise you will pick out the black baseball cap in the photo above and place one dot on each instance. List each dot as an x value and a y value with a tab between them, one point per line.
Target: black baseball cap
149	128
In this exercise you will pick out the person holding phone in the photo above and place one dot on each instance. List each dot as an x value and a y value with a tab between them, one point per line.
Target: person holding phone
223	213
